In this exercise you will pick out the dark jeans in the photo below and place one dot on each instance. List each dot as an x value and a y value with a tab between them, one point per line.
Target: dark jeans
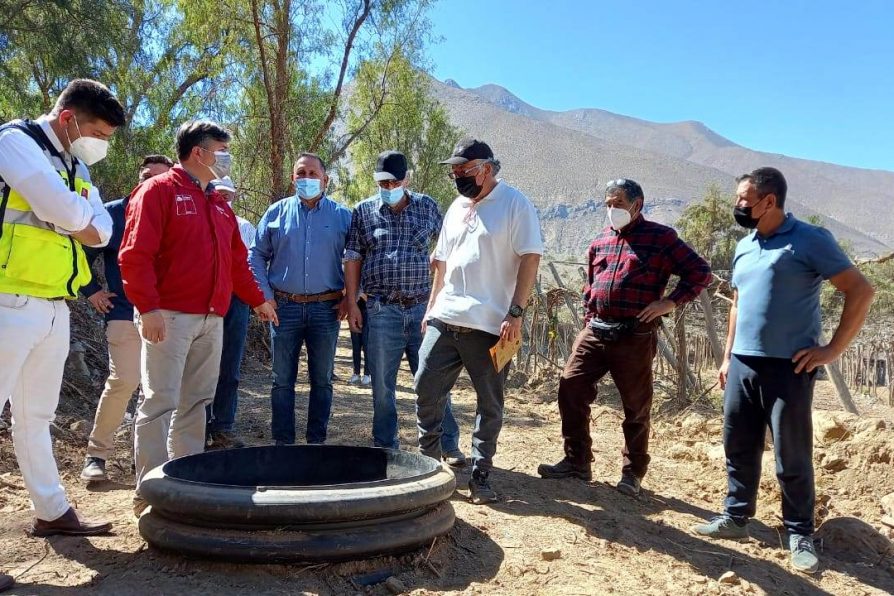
766	391
359	343
629	361
316	324
393	331
442	356
221	413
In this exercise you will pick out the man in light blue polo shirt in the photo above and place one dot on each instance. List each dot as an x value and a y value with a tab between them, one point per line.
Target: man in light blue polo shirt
297	260
772	353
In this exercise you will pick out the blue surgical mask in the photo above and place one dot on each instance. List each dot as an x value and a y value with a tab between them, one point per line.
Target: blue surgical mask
307	188
391	197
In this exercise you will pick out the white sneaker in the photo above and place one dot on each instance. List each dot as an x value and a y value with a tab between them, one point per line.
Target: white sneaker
354	379
365	380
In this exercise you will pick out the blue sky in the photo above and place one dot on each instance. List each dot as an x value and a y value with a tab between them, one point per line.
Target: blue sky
808	79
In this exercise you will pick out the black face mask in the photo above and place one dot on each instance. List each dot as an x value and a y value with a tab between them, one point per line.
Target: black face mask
467	187
743	216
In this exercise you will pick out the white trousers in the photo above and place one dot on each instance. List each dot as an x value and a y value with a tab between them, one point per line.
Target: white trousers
34	337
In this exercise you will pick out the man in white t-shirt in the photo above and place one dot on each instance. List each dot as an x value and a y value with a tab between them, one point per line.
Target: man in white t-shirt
485	263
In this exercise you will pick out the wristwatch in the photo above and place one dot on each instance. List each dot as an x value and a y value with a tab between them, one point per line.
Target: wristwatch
516	311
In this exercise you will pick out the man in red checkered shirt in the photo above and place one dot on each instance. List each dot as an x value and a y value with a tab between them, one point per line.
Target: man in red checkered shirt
629	265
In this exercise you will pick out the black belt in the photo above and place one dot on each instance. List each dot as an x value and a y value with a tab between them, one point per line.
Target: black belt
453	328
402	300
613	330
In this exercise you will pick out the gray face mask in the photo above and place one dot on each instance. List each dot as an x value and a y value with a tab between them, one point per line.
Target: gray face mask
222	163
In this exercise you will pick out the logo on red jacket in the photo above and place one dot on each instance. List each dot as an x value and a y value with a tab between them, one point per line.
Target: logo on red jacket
185	205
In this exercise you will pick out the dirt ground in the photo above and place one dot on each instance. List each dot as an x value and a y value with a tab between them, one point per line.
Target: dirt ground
608	543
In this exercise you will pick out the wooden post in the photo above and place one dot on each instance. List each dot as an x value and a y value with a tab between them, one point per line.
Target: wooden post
680	333
844	394
568	302
707	307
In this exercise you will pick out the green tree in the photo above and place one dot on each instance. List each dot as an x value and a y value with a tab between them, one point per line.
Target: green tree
410	121
709	227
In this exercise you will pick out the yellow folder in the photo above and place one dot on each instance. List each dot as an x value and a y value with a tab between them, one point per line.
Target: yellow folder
503	351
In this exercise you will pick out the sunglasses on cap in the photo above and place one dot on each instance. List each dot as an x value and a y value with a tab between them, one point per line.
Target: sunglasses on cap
631	189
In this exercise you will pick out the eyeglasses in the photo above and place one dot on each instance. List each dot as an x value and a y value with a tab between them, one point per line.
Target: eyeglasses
464	173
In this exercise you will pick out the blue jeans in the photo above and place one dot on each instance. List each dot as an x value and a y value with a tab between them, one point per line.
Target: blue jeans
443	355
760	392
393	331
221	413
316	324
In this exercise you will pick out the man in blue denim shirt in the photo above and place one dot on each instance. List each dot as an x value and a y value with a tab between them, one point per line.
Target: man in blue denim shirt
121	335
297	260
388	255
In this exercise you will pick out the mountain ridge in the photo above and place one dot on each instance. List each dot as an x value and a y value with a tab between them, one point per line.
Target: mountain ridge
675	162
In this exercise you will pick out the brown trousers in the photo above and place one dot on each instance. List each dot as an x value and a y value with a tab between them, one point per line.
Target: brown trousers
629	361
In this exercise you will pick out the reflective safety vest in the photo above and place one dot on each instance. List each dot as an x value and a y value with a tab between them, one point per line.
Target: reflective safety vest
34	259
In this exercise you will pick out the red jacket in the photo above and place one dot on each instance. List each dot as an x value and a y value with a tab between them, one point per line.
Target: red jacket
182	250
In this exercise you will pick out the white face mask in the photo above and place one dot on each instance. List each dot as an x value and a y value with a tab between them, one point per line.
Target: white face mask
618	218
88	149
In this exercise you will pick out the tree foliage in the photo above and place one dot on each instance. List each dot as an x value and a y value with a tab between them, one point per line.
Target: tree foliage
409	121
709	227
274	71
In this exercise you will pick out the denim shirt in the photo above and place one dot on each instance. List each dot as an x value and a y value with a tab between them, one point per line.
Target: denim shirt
122	309
300	250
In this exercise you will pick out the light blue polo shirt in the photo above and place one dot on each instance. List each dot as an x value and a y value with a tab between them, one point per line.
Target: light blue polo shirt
778	279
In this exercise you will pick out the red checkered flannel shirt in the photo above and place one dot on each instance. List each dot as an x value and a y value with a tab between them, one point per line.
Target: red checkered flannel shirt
629	270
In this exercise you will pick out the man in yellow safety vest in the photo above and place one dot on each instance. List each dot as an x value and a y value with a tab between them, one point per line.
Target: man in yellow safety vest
49	210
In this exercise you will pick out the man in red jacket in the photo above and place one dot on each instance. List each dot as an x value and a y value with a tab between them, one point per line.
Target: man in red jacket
181	260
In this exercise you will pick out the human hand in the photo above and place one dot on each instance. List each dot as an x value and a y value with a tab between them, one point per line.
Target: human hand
101	300
355	318
152	326
809	359
343	308
267	312
659	308
510	328
723	373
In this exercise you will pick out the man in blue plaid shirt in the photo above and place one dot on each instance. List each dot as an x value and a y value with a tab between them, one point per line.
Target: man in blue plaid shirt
387	254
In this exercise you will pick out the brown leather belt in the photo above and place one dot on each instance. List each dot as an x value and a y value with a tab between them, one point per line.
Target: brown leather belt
305	298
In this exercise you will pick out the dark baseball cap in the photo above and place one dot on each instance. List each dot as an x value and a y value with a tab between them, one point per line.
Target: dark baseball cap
391	165
469	149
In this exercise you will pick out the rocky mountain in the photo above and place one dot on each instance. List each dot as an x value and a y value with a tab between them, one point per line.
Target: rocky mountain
562	160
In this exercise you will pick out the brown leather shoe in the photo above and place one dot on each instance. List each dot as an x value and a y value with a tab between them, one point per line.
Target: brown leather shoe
70	525
6	582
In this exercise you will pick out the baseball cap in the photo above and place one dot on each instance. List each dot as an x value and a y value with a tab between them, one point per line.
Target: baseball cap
391	165
224	183
469	149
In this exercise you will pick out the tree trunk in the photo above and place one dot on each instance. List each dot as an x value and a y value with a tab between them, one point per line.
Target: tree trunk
707	307
680	333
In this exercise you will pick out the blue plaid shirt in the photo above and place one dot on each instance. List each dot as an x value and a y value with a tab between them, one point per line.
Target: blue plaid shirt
394	247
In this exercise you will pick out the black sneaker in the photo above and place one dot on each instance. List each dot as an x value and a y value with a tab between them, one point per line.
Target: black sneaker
565	469
219	439
455	459
94	470
480	489
629	485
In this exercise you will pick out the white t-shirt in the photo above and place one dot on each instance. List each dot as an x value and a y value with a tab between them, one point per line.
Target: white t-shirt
482	246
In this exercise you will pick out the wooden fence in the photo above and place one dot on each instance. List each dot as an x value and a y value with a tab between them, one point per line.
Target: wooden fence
556	316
